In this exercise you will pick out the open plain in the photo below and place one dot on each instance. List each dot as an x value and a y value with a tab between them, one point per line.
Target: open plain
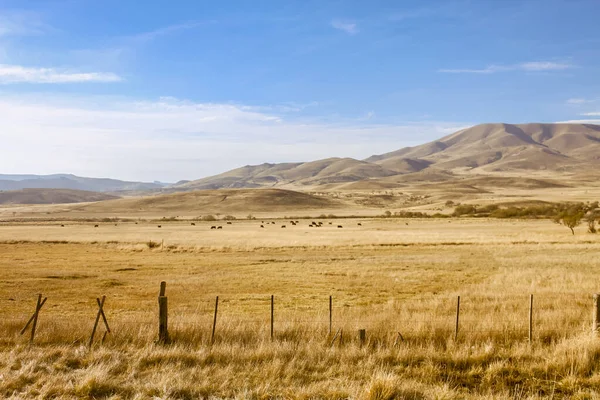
396	278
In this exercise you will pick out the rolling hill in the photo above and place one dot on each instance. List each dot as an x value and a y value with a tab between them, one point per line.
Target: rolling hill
51	196
485	149
201	202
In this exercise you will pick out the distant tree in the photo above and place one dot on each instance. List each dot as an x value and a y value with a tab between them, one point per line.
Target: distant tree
387	214
570	217
208	218
592	217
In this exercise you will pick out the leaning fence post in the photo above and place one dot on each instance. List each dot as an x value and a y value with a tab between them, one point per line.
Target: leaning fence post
163	332
272	314
40	303
596	315
457	318
212	337
96	322
530	318
330	315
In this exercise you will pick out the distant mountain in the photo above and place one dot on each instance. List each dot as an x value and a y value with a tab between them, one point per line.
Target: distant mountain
51	196
68	181
481	149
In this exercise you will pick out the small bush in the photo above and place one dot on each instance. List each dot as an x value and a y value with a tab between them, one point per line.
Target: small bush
208	217
152	245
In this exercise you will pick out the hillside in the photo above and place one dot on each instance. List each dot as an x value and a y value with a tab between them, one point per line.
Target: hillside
51	196
202	202
68	181
480	150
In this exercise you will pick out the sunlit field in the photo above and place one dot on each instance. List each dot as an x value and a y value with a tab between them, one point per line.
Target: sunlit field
397	279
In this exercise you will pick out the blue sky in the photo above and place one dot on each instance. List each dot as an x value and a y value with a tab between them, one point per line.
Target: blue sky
185	89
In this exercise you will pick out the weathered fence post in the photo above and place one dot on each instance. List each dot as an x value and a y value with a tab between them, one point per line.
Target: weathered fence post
272	314
362	336
212	337
330	315
596	315
34	318
163	331
335	337
457	317
530	319
100	314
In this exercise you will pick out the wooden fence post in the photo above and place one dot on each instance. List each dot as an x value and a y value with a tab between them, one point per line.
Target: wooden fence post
163	330
457	318
98	315
330	315
530	319
34	318
596	316
272	314
362	336
212	337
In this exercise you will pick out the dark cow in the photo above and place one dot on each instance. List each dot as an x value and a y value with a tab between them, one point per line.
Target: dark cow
219	227
95	226
359	224
213	227
283	226
339	226
193	224
262	226
160	226
62	226
228	223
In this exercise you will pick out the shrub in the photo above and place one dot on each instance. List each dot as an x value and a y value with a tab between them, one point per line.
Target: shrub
152	245
229	218
465	209
208	217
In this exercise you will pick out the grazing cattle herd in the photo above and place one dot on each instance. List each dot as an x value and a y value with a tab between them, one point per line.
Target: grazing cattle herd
313	224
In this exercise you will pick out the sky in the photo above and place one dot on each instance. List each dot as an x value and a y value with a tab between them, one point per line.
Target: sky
184	89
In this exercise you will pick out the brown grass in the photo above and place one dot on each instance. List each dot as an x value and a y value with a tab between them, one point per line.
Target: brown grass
385	277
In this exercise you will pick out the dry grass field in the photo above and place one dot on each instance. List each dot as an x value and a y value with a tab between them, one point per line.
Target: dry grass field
387	276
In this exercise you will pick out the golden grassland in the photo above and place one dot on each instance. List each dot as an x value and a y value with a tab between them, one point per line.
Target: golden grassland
387	276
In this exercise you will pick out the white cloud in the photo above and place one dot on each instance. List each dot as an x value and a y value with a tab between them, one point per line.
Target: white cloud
19	74
592	114
346	26
170	140
577	101
544	66
533	66
167	30
581	121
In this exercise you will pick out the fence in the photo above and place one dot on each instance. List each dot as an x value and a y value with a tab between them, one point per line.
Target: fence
447	320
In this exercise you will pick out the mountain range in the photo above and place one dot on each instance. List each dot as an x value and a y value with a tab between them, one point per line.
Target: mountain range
484	149
497	149
68	181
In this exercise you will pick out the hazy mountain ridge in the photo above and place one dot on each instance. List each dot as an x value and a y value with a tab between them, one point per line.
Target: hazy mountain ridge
73	182
52	196
483	149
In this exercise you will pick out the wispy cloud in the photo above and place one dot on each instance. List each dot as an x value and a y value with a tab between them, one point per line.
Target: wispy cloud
578	101
591	114
532	66
167	30
21	23
581	121
347	26
19	74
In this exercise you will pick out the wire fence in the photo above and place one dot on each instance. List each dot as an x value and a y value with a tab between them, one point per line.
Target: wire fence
542	318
